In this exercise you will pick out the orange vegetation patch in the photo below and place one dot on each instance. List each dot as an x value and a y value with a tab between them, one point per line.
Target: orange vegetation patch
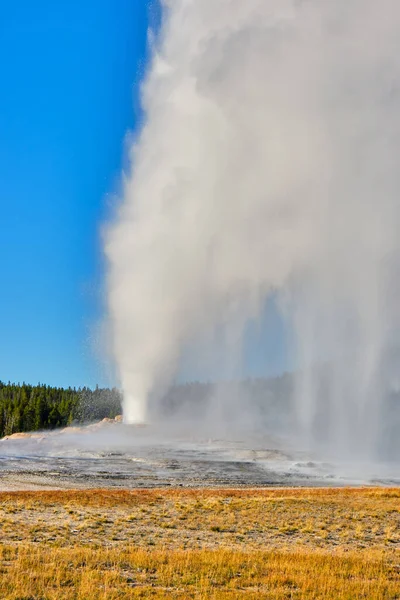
107	497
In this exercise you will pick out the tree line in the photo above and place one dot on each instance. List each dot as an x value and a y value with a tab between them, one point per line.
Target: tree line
26	407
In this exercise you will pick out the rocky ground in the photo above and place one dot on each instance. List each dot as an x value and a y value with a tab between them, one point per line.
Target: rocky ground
113	455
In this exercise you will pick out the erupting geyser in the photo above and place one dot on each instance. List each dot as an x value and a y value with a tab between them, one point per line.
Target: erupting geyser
268	162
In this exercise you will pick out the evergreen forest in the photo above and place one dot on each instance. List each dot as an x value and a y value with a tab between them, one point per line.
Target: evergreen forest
32	407
26	407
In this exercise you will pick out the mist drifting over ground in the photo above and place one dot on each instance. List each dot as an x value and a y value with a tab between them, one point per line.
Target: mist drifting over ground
268	164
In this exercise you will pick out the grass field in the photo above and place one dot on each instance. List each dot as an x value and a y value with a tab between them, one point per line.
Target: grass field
278	544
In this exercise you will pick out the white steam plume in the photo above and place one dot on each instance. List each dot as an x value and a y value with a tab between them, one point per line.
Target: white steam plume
268	161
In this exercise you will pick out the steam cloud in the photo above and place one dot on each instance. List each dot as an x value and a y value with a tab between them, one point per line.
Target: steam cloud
268	163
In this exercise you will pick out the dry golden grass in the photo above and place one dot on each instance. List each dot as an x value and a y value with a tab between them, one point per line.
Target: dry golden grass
86	574
102	544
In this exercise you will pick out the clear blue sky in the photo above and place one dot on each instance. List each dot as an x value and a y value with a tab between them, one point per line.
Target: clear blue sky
68	95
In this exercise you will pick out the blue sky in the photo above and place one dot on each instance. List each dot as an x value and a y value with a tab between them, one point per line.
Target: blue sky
68	96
